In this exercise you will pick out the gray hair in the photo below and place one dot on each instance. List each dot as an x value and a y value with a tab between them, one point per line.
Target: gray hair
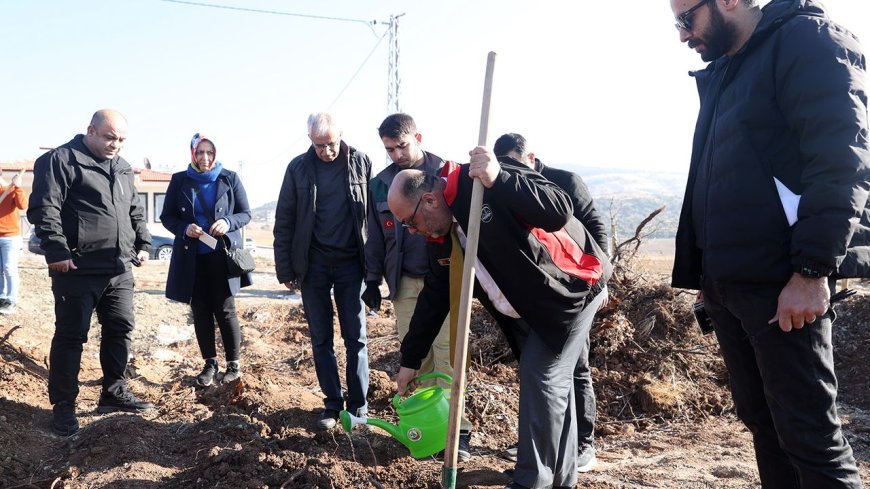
321	123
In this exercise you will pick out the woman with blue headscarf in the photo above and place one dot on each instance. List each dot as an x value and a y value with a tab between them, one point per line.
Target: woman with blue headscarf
207	201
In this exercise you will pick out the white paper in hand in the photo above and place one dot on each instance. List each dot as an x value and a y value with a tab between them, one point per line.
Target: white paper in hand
208	240
790	201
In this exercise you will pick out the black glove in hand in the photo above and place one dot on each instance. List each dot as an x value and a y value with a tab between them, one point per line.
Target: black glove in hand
372	296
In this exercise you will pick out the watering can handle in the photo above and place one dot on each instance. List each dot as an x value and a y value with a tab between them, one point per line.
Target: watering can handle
397	399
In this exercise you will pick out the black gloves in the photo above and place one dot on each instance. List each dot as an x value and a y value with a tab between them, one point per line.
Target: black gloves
372	296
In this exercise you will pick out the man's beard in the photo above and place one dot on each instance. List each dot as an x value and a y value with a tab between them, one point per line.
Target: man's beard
720	36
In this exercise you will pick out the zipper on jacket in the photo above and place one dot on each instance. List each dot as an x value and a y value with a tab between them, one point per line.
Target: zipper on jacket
709	162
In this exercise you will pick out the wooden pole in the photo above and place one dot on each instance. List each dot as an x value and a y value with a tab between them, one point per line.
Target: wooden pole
457	398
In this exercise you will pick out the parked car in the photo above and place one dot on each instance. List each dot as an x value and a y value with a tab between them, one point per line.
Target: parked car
161	246
251	245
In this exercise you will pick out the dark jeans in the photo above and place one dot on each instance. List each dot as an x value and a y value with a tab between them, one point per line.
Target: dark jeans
75	299
346	282
212	301
784	388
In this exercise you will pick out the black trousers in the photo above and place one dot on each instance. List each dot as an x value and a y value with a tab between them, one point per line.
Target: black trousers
75	299
212	301
784	388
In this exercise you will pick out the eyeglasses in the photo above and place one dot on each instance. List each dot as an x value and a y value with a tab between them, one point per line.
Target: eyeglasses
684	21
330	146
409	223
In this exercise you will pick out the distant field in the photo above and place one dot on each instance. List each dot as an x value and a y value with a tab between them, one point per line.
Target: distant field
657	255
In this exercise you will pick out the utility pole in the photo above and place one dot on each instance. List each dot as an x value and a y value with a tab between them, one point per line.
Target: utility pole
394	81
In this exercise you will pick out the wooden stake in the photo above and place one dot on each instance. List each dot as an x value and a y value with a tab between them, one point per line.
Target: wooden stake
457	398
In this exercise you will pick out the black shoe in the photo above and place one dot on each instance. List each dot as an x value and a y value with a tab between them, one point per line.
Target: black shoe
63	421
233	372
327	420
515	485
125	401
510	453
464	451
208	374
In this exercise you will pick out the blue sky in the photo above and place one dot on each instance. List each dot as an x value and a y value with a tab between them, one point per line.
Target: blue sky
599	84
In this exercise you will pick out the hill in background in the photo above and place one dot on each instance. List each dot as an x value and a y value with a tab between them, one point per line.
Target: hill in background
624	197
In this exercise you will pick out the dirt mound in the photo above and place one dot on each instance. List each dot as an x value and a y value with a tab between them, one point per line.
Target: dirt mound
664	411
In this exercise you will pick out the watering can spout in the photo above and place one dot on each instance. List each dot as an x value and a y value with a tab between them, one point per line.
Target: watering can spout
348	421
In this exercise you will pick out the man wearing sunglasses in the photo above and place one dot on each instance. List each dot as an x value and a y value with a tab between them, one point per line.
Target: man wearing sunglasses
775	208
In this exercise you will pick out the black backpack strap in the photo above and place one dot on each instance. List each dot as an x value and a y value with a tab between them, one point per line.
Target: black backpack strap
208	213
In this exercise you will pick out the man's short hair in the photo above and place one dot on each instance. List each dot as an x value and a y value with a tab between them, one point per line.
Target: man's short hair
396	126
418	184
509	142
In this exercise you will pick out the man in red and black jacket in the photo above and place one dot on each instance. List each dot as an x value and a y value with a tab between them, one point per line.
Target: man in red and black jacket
536	262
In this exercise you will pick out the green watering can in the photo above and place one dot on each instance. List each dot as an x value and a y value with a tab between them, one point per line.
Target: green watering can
423	418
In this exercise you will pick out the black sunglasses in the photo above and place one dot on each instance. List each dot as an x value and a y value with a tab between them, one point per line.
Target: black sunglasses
683	20
409	223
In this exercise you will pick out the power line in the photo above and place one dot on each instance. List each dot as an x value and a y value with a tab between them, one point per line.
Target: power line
274	12
352	78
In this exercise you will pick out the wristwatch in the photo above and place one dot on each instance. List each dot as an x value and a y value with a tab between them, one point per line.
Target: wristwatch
810	269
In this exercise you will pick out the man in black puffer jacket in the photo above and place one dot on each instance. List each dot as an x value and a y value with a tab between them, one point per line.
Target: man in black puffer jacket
777	187
87	214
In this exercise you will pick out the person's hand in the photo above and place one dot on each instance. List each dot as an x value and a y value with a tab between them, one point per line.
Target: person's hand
291	285
219	228
801	301
193	231
404	380
484	166
143	256
62	266
372	296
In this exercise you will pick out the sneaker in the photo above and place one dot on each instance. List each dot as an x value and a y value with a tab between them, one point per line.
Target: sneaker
327	420
586	458
464	451
8	309
232	372
515	485
5	302
208	374
63	420
510	453
125	401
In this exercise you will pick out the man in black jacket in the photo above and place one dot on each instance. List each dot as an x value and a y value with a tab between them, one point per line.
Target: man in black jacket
320	232
778	184
85	209
527	236
511	149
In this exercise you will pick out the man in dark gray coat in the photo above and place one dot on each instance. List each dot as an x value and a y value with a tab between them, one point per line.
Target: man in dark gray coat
320	232
86	212
513	146
779	178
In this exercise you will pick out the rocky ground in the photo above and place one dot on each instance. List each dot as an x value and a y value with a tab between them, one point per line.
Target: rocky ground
665	417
